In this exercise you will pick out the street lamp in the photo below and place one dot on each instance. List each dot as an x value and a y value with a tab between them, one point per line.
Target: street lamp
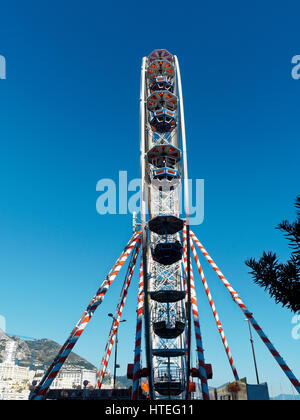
116	350
253	352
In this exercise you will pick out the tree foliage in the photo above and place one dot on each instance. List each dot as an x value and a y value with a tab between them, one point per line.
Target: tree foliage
281	280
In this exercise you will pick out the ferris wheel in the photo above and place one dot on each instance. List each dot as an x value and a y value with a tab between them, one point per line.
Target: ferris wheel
169	288
163	151
167	303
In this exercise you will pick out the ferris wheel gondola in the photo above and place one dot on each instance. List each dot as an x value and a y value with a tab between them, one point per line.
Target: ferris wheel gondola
162	99
162	83
160	55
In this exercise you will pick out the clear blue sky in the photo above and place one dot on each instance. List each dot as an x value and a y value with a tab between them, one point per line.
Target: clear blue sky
69	117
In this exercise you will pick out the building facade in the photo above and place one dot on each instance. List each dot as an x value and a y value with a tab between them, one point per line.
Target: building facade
69	378
240	390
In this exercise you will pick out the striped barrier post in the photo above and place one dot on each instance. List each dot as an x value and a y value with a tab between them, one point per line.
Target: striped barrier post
138	335
200	350
53	370
288	372
214	311
117	317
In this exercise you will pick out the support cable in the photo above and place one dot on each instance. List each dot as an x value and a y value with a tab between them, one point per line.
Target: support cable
195	312
215	313
117	317
138	335
288	372
53	370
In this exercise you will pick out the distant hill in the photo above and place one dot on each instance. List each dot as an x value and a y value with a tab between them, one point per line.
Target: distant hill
123	381
43	352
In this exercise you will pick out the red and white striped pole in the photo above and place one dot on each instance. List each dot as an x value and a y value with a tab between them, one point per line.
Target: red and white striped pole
66	349
117	317
119	302
111	332
200	350
138	336
213	308
288	372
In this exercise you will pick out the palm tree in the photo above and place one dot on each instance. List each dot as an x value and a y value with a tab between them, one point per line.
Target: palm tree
282	281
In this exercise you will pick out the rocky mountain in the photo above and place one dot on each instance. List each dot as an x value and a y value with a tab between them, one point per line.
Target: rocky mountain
40	353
